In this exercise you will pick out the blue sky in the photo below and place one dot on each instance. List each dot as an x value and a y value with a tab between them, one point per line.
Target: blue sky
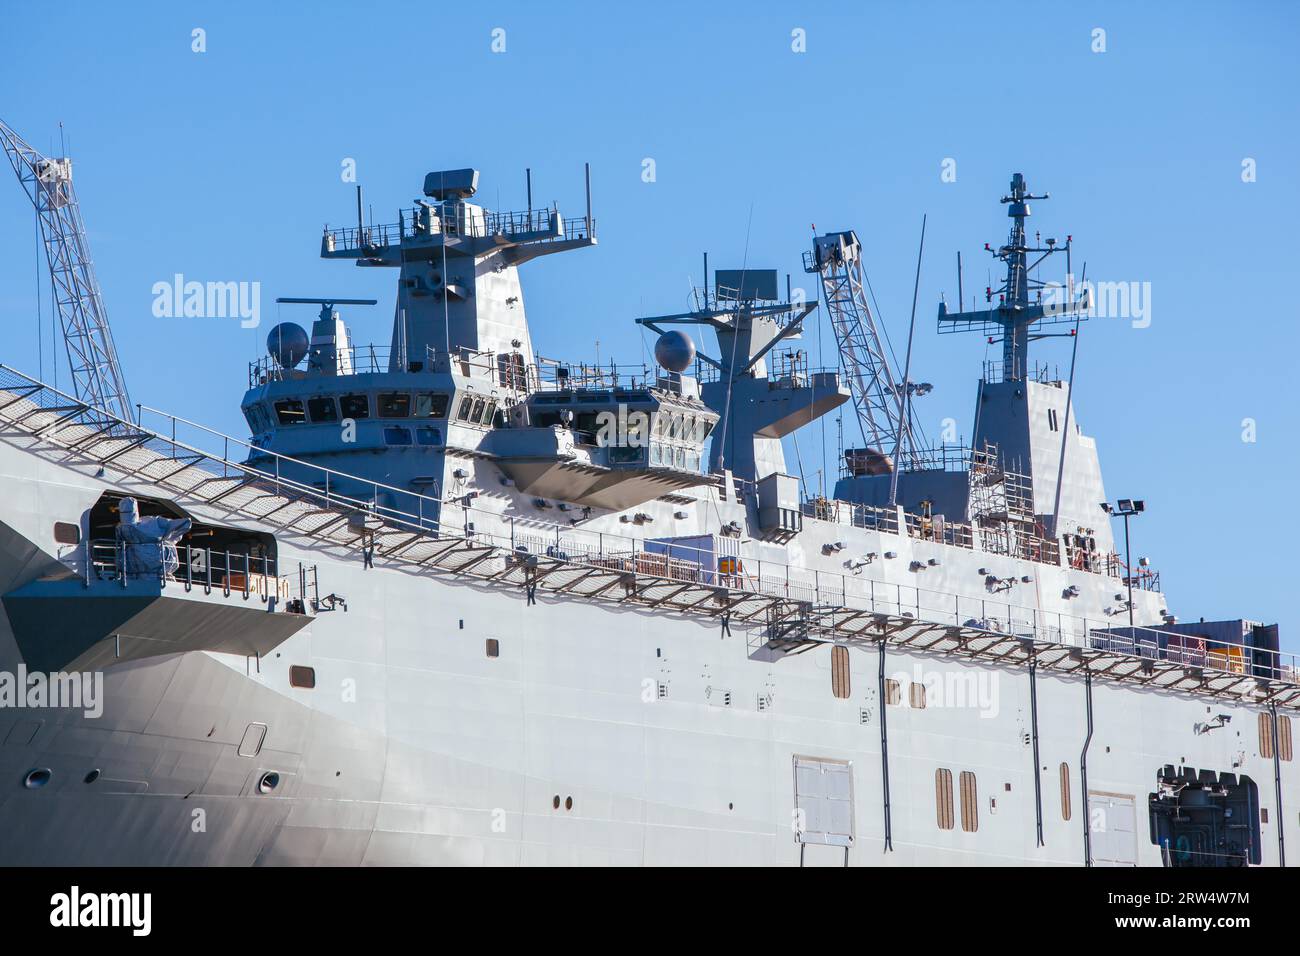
224	165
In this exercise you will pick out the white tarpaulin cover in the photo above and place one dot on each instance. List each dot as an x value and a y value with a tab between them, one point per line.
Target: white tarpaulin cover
149	543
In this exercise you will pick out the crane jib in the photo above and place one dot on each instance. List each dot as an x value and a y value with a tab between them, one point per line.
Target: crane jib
96	373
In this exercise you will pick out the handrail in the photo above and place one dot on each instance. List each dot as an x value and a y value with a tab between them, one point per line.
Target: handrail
298	488
106	559
817	588
278	458
884	522
543	375
457	220
995	371
813	587
250	563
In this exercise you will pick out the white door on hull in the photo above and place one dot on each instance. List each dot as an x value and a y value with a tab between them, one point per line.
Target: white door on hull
823	799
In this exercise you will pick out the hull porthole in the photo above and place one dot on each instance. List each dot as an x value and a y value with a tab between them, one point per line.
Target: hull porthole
38	778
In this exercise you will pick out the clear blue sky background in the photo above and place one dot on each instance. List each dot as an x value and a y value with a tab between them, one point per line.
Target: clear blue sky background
224	166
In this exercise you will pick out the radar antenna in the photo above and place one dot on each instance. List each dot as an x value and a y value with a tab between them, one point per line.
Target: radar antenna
96	375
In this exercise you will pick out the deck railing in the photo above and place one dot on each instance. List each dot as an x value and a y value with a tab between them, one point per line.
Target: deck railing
453	221
857	592
458	519
110	559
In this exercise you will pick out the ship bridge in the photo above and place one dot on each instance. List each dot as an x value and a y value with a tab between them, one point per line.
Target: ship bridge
587	443
459	358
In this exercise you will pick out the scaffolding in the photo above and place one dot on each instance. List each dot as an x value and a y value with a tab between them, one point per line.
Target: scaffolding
1002	510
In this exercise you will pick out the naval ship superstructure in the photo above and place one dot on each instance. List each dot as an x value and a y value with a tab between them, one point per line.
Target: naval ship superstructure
455	603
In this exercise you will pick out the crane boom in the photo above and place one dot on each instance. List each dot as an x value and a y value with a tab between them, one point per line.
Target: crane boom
96	374
836	258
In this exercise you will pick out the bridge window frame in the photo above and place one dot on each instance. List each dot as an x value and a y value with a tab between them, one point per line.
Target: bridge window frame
354	405
430	404
290	411
393	404
322	410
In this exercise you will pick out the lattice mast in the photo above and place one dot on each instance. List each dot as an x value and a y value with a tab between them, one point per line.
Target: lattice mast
96	375
836	258
1020	305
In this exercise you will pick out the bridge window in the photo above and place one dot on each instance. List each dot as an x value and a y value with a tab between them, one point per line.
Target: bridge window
300	676
635	431
428	436
586	428
322	409
479	411
626	456
430	405
396	435
289	411
394	404
355	406
258	420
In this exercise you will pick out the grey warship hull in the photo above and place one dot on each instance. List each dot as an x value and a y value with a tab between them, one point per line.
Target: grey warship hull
607	730
459	604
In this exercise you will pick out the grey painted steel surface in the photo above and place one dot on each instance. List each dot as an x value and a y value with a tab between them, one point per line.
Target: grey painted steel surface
704	678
